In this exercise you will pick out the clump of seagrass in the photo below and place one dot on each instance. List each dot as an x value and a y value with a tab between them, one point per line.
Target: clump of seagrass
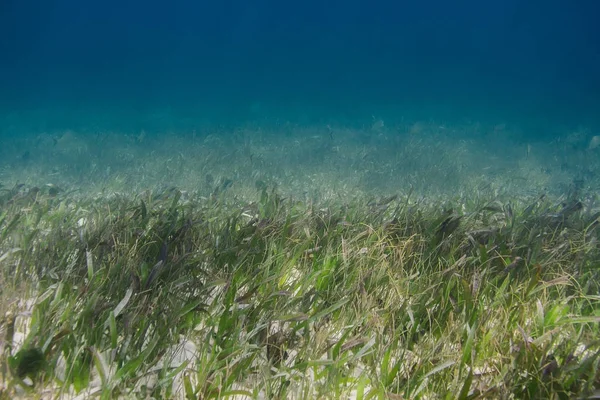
175	295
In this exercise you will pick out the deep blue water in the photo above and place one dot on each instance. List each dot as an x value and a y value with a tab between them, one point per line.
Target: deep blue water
116	63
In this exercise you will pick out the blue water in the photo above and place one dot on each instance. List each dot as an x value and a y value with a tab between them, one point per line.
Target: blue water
118	64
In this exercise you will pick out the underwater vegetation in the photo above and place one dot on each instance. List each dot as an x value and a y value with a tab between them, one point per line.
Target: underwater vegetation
166	294
417	261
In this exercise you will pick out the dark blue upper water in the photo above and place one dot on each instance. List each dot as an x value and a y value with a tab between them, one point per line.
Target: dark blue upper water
114	63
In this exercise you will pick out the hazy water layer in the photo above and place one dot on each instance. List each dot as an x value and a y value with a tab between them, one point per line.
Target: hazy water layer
133	65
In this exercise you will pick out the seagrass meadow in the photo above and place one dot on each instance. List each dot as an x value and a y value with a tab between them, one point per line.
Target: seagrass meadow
409	262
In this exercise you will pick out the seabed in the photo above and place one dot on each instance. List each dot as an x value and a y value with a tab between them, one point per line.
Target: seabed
408	262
